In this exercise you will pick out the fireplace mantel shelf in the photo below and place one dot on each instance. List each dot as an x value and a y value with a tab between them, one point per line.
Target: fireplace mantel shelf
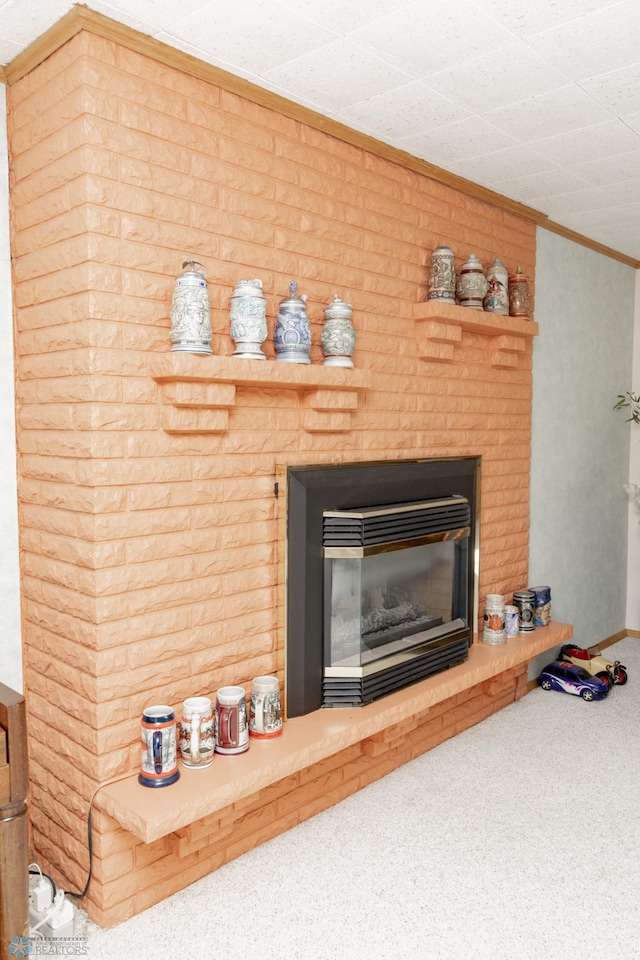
198	391
439	330
152	814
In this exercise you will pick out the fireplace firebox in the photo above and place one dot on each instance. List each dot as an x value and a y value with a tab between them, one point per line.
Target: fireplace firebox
379	576
395	596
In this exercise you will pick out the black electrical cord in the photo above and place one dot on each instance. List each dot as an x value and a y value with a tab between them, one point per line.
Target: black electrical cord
79	896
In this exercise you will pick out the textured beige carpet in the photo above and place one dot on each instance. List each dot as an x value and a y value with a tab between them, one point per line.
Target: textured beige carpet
517	840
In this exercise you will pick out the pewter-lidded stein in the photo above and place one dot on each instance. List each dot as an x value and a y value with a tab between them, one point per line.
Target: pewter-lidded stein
338	336
497	297
248	319
472	283
190	311
442	275
292	335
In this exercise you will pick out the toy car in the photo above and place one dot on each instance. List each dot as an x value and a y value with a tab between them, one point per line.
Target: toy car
611	671
568	678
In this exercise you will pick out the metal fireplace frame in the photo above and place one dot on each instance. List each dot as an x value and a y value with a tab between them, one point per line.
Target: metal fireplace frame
307	492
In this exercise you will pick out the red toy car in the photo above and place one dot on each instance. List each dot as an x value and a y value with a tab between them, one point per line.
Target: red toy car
611	671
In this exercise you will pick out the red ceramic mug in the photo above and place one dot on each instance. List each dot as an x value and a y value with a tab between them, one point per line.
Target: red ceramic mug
232	729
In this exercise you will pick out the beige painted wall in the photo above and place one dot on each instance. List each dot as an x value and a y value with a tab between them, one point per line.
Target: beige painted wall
580	445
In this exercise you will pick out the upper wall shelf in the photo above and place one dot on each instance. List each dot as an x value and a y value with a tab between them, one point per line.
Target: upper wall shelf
198	391
440	325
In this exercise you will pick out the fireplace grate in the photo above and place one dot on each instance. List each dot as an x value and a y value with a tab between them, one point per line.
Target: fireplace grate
357	691
389	524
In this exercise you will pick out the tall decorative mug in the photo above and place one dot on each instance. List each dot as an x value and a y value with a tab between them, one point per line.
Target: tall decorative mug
159	762
232	729
524	600
265	714
197	732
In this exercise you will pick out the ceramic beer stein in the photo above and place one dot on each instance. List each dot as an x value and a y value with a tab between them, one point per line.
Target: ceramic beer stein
338	336
497	296
232	729
494	619
519	295
292	334
265	713
197	732
159	761
442	275
248	319
190	311
472	283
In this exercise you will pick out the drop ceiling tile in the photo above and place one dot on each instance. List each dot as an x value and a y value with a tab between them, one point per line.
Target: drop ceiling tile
157	14
507	164
549	183
596	142
457	141
496	79
548	115
406	110
527	17
203	55
624	238
606	217
617	91
633	120
255	35
591	44
124	16
628	191
8	50
345	17
425	38
590	199
22	23
601	173
313	75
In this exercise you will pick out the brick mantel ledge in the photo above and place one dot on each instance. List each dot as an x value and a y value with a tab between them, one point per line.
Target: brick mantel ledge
440	325
198	391
152	814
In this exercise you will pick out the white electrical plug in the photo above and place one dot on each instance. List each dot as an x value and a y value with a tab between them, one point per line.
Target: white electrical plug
56	921
61	915
41	895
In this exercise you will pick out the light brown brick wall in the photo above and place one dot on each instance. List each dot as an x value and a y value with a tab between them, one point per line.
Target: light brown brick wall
149	560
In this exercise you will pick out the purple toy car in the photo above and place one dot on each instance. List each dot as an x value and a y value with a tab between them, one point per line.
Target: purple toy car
568	678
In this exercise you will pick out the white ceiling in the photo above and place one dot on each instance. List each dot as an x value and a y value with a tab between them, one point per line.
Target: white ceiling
538	100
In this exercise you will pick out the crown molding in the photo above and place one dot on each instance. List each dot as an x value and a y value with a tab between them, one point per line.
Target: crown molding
81	17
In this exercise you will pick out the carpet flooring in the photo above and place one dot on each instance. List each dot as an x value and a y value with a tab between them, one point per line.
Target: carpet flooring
519	839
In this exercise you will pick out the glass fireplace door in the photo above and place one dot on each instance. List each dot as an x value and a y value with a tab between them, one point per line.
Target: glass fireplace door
400	594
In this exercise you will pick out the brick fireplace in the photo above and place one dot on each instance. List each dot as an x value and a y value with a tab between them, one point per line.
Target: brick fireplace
149	530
